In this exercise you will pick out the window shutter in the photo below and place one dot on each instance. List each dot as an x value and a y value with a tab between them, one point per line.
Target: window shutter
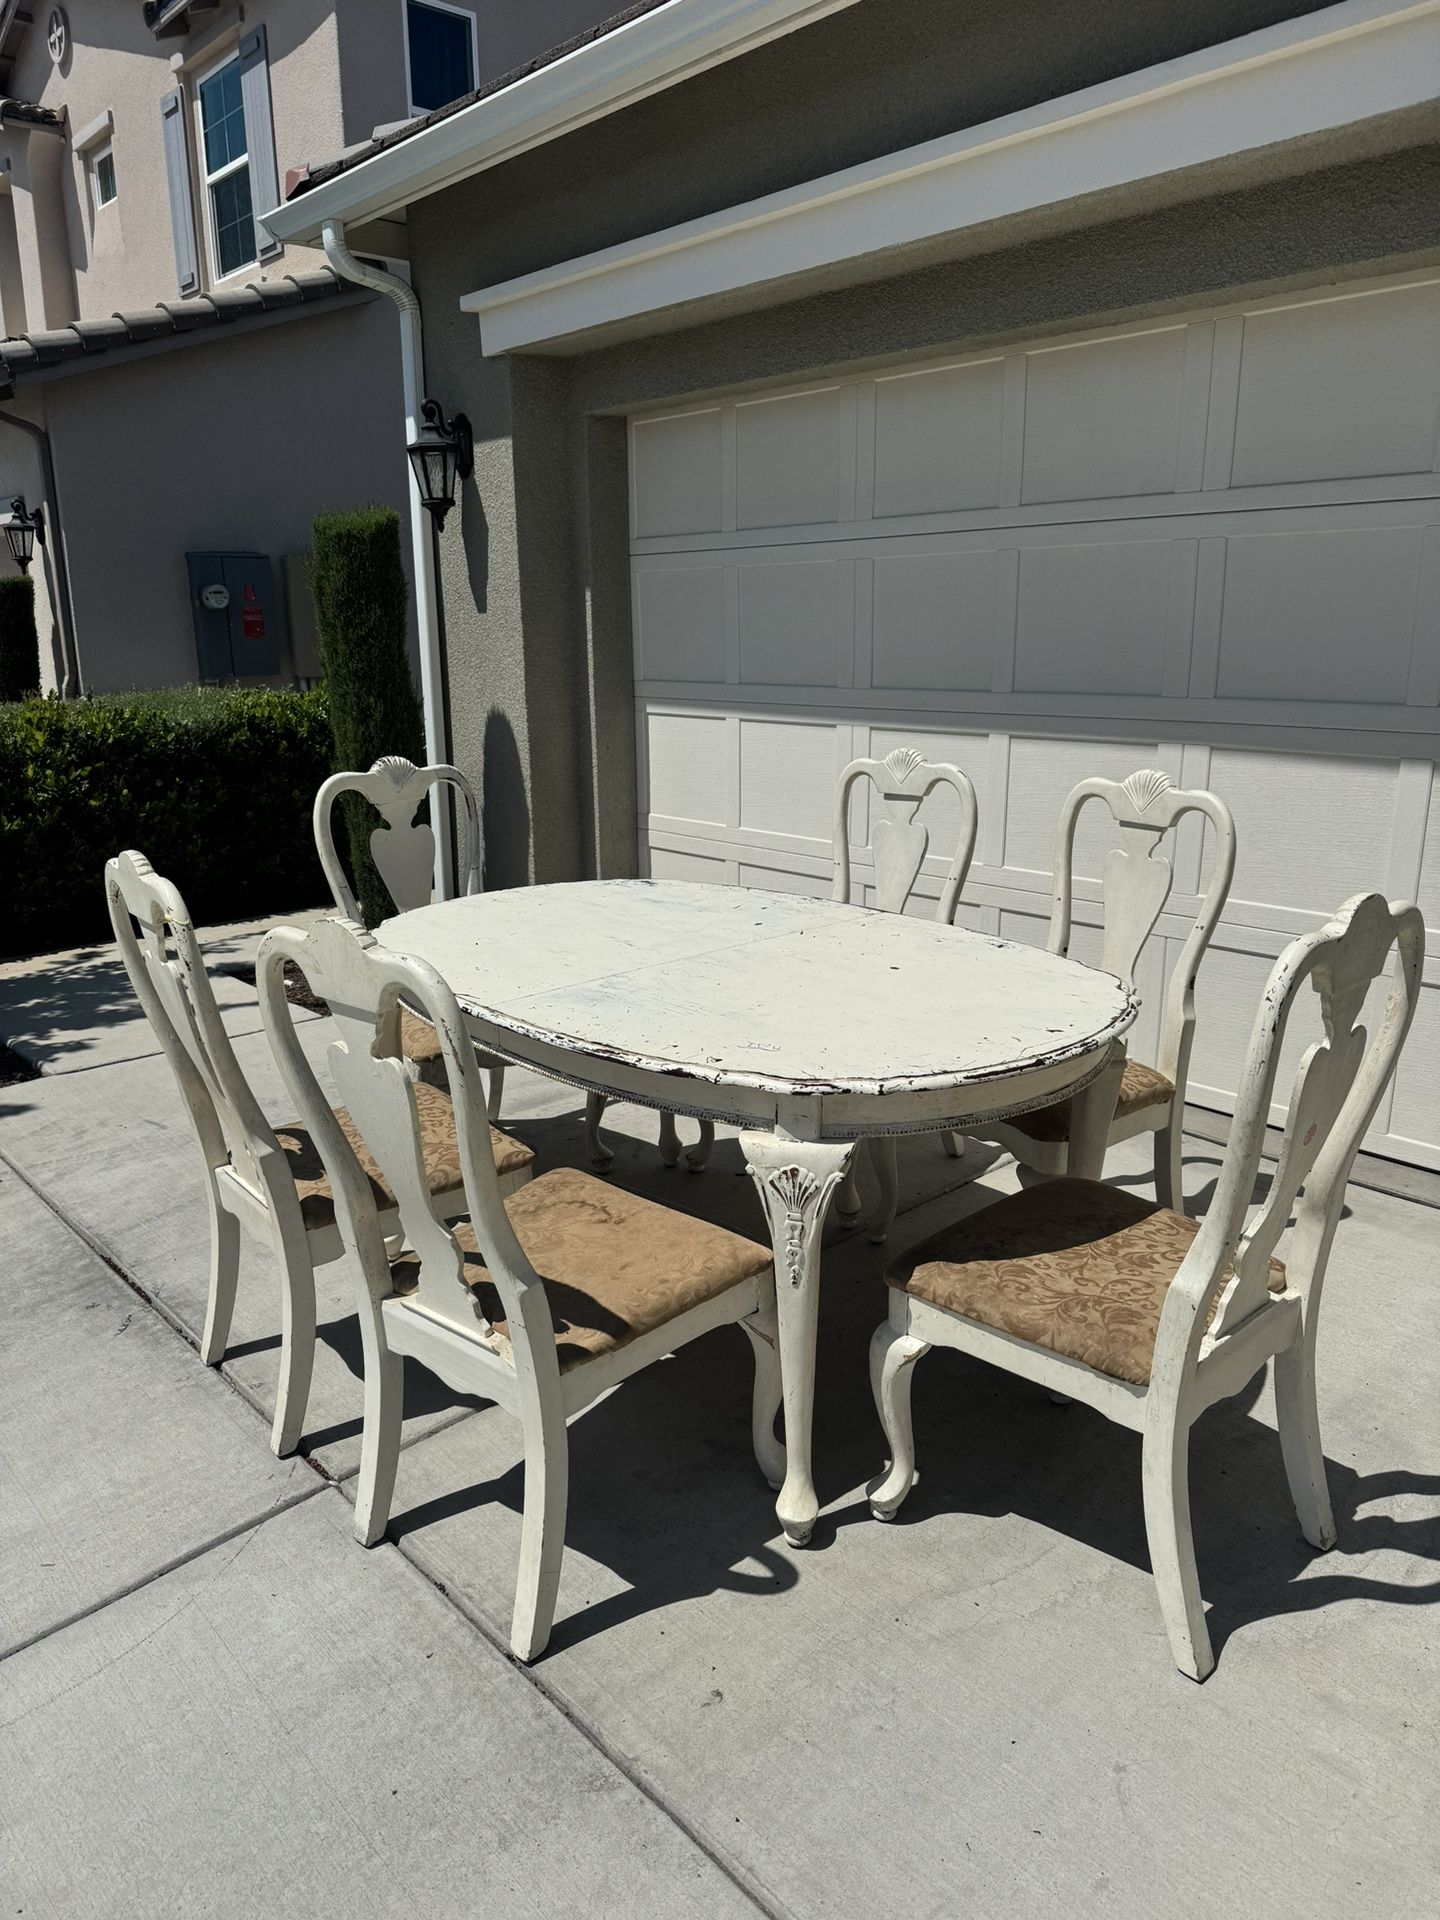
182	210
259	137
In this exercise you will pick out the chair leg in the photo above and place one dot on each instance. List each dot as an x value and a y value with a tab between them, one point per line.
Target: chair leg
1169	1176
954	1144
847	1202
596	1151
892	1363
669	1139
696	1158
297	1350
542	1536
380	1435
1165	1475
1299	1423
495	1092
884	1159
224	1278
764	1331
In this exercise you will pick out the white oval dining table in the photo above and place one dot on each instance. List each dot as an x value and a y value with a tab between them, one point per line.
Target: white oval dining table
807	1024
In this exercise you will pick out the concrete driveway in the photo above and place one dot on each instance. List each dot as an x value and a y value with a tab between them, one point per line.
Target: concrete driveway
213	1701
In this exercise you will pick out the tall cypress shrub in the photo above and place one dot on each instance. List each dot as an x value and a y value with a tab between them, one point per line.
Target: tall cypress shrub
19	642
360	613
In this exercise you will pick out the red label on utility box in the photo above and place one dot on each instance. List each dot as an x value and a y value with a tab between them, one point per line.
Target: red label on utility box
252	622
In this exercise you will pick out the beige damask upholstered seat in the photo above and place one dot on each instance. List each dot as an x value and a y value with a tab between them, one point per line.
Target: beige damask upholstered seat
614	1265
1141	1087
439	1147
1073	1265
418	1039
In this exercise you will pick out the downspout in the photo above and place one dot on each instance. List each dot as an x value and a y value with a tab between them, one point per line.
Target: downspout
59	557
422	533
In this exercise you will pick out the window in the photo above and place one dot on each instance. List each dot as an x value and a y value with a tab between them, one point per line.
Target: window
439	53
102	173
225	162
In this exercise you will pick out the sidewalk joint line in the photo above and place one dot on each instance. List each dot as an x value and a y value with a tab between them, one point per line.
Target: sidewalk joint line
141	1581
745	1882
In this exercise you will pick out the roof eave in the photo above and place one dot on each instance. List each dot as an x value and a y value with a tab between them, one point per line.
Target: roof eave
643	57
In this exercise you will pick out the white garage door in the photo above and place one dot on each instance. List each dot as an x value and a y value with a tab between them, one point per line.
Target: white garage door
1208	544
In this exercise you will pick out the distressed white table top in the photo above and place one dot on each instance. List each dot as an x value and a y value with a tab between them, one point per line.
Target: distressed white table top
730	985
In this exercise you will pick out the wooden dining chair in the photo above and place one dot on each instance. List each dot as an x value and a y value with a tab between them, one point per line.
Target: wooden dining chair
899	842
266	1180
1151	1317
540	1302
1136	884
403	849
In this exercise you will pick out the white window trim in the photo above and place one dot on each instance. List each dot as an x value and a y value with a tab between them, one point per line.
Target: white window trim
439	6
104	150
208	179
1316	74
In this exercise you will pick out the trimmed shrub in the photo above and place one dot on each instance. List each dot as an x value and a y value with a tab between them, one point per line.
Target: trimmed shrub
19	643
361	605
213	785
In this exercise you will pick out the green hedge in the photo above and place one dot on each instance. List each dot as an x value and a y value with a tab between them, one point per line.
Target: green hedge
361	604
213	785
19	646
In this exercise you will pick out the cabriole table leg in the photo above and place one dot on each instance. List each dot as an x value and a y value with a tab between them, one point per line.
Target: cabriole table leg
795	1180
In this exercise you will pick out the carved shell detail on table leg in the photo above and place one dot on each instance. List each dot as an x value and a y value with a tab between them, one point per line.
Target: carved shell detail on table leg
793	1198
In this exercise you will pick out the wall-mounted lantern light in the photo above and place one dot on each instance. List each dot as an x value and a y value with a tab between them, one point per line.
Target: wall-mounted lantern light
22	530
442	453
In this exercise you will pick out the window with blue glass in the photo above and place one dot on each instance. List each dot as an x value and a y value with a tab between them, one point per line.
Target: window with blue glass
226	163
440	42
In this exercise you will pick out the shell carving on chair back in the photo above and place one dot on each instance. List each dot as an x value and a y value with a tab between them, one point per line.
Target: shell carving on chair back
402	847
1137	879
899	841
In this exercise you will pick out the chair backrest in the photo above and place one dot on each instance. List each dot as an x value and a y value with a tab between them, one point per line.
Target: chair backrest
898	840
402	848
363	984
167	971
1136	884
1337	1088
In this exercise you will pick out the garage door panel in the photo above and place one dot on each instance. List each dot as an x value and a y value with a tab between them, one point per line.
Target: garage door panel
795	617
1428	893
1102	419
1328	615
687	766
676	484
1415	1109
680	623
1093	618
788	772
1310	830
938	439
671	863
1340	388
791	457
934	620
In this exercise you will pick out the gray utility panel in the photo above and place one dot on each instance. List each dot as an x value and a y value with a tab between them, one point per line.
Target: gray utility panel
237	614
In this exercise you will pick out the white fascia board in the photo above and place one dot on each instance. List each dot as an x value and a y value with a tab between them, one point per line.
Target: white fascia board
1320	72
655	51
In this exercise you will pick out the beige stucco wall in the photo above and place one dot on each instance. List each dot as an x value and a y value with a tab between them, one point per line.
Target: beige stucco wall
235	443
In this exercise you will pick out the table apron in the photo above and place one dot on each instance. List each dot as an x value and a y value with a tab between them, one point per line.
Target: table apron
839	1115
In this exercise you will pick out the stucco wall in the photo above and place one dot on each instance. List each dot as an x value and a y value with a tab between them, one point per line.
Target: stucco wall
556	688
231	444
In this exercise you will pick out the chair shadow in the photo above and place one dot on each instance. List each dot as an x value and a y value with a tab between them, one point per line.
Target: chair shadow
664	1491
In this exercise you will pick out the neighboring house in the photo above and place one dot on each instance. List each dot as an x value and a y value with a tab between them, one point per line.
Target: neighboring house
1054	387
193	381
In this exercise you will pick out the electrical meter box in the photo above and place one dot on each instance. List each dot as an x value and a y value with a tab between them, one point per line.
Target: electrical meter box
237	615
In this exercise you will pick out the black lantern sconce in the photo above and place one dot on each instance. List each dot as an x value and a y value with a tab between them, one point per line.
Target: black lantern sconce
442	453
22	530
